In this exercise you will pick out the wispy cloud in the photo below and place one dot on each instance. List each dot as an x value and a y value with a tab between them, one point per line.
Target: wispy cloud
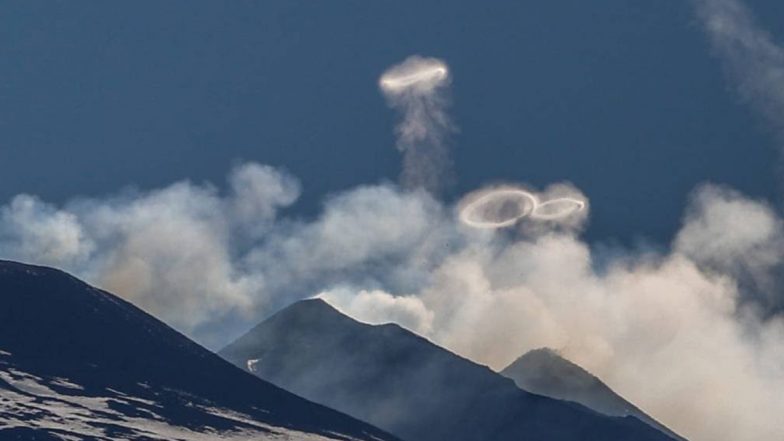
752	58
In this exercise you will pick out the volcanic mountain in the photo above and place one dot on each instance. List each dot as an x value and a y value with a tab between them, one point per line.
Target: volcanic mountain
544	372
79	363
407	385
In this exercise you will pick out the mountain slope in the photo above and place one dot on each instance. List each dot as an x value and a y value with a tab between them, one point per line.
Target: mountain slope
409	386
544	372
79	363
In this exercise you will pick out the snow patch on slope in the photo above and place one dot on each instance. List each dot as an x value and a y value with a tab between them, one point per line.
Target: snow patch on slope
28	401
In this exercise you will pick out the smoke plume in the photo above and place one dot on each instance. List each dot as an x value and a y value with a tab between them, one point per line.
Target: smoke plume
417	89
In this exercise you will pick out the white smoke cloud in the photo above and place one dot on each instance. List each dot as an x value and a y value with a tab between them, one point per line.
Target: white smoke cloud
33	230
369	236
171	251
417	88
168	252
258	192
211	263
729	234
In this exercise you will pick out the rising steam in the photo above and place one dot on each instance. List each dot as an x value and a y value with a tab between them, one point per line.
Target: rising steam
416	88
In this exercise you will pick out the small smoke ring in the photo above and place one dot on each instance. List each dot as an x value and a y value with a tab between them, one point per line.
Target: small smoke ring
557	208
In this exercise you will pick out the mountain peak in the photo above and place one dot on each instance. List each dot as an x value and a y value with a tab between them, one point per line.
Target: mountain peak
312	308
545	366
313	313
545	372
544	354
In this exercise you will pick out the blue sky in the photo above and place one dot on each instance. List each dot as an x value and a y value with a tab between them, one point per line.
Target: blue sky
622	98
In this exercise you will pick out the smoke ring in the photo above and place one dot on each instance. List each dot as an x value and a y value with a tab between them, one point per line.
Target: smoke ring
557	208
394	81
471	216
415	75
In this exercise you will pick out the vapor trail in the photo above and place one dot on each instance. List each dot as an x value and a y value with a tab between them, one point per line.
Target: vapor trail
416	88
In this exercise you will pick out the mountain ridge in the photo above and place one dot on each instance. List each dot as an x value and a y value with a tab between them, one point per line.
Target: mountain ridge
67	348
405	384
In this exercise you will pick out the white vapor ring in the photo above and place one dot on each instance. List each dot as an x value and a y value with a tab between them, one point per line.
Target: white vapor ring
467	214
557	208
402	81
